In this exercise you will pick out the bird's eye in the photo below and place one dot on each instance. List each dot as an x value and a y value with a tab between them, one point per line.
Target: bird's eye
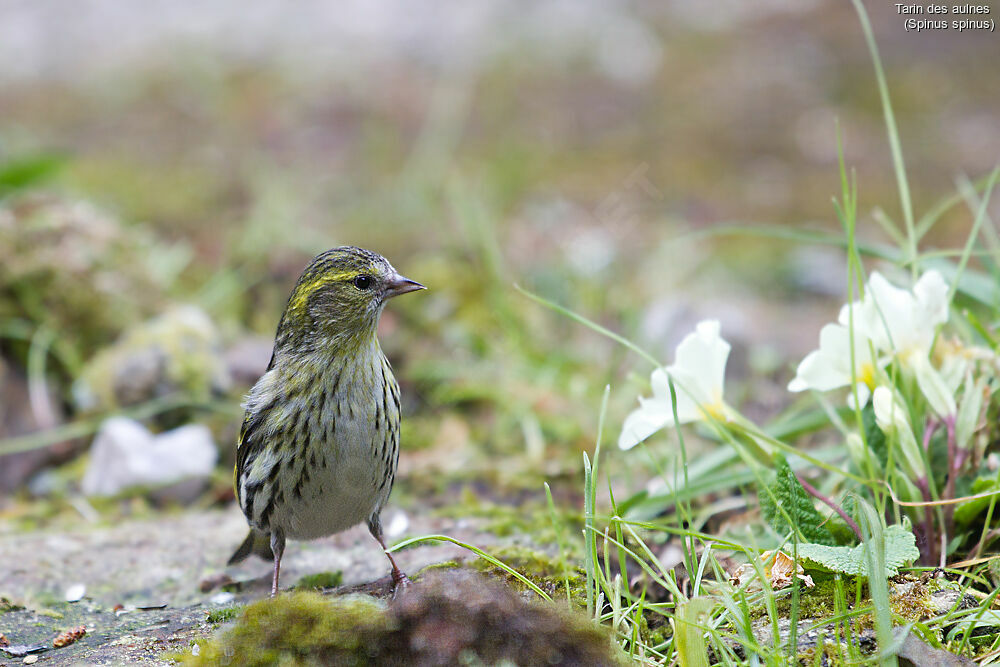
363	282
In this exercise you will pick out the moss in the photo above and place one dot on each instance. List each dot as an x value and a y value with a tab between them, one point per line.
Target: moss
816	602
8	605
320	580
444	565
224	615
546	572
300	628
528	518
73	268
910	601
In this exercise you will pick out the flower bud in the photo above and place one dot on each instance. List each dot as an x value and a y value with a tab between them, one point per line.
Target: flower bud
968	412
933	387
891	417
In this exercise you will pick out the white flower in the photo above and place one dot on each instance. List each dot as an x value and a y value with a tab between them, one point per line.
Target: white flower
900	321
904	323
892	322
829	367
891	417
698	372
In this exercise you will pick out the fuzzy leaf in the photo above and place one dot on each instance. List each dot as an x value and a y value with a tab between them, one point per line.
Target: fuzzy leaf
797	504
900	548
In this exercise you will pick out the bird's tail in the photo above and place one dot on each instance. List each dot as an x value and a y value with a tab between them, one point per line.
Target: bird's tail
256	543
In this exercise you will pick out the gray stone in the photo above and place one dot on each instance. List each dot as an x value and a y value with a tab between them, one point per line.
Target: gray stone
126	455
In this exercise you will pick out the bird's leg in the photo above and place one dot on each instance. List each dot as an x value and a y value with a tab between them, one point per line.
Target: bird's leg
399	579
278	548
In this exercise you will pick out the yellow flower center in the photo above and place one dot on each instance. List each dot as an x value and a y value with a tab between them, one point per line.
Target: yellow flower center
714	411
866	374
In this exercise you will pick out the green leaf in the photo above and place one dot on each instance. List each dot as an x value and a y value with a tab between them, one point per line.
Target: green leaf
842	533
873	435
690	620
900	548
966	512
980	619
25	172
797	505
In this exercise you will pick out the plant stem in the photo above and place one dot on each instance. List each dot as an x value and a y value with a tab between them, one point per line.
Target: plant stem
955	461
928	528
814	492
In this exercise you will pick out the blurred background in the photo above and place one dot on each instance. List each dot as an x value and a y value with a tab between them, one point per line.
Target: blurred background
168	169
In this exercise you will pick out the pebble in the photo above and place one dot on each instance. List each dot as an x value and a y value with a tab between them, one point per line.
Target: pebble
222	598
75	592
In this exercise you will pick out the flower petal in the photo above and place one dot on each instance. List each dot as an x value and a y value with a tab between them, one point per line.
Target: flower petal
700	365
931	293
887	314
817	372
661	385
642	423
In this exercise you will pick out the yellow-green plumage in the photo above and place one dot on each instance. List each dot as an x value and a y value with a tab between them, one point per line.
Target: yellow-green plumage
320	439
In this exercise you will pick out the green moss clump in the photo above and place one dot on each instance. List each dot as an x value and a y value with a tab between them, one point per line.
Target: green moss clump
224	615
7	605
816	602
320	580
300	628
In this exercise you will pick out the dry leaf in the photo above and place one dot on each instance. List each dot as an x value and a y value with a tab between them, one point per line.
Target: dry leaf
68	637
778	570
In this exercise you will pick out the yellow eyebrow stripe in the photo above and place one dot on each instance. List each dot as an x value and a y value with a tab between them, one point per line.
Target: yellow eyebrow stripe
303	291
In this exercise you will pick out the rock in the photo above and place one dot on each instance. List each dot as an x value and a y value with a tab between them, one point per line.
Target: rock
179	351
913	652
126	455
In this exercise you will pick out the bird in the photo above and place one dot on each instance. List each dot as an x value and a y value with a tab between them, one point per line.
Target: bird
319	444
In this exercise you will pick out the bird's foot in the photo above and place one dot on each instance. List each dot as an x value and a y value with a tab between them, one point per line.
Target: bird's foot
400	583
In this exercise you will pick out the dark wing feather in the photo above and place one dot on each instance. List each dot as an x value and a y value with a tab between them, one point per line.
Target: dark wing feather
249	445
249	442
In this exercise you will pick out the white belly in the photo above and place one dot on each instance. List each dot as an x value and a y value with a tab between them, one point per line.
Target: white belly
342	490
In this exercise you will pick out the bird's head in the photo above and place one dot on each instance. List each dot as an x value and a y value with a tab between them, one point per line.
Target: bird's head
340	296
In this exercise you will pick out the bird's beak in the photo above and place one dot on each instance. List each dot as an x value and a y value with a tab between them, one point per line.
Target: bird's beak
400	285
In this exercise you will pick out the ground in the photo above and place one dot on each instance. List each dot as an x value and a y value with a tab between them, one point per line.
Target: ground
155	569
